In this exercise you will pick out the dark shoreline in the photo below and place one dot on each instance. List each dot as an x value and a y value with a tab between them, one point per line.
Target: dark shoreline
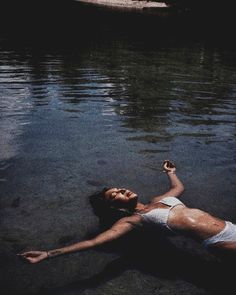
46	21
52	8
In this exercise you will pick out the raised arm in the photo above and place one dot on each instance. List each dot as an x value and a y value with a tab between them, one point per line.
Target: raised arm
120	228
176	186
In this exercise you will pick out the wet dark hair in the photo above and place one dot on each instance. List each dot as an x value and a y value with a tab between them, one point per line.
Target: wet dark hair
108	212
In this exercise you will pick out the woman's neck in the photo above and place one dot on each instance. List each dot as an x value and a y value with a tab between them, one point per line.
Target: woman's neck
139	207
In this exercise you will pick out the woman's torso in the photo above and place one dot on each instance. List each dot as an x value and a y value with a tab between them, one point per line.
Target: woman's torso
193	222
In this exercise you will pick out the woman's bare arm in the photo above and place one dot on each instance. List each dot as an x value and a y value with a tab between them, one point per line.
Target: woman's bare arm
176	186
120	228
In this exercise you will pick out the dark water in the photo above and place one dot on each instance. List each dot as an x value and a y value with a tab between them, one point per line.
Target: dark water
85	106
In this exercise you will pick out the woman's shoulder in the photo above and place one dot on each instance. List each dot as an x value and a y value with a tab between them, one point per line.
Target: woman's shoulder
135	219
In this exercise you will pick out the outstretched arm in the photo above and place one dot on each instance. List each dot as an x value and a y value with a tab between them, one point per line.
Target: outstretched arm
176	186
120	228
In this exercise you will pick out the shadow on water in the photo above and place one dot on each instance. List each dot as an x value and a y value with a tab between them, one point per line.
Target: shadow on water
157	256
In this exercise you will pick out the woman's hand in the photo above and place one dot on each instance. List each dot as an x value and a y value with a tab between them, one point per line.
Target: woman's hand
168	166
34	256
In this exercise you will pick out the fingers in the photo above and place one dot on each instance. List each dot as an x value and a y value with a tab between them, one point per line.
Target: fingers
29	253
165	166
168	164
23	254
172	165
26	257
32	260
32	256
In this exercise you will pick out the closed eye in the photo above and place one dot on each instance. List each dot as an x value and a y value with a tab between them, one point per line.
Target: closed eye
113	195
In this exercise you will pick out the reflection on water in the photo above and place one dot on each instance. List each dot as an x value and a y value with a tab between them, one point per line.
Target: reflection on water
14	107
159	94
147	99
107	112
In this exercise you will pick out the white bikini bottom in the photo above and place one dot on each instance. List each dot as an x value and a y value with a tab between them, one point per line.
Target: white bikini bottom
228	234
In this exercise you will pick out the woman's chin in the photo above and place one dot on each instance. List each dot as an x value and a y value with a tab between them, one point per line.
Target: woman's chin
133	196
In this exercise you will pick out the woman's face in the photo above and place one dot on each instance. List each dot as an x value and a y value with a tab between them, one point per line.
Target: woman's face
120	194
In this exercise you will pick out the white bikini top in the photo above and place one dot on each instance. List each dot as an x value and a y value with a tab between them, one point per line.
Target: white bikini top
160	216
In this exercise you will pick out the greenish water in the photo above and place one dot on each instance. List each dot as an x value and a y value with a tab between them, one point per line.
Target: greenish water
81	111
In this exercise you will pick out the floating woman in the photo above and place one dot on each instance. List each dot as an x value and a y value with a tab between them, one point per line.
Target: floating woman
165	211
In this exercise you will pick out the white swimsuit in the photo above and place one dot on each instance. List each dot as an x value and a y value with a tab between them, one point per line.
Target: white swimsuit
160	216
228	234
